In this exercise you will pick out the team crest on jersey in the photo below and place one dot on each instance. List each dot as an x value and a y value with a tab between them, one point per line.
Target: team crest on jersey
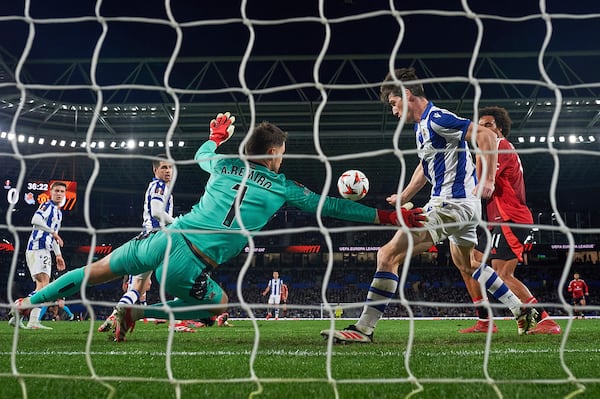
159	190
436	115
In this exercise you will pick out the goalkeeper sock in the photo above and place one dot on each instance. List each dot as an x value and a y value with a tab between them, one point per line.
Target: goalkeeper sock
34	316
66	285
383	288
495	286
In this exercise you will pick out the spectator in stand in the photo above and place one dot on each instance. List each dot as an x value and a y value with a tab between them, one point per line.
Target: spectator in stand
579	290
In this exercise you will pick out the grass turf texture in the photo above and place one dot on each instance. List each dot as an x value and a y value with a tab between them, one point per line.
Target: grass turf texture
291	362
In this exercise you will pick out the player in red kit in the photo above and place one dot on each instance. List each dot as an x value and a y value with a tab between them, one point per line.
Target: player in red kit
506	205
579	289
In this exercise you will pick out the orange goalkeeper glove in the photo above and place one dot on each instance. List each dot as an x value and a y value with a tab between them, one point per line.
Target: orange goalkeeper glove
221	128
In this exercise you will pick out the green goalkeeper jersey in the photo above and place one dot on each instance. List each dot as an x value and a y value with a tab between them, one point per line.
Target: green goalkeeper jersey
215	226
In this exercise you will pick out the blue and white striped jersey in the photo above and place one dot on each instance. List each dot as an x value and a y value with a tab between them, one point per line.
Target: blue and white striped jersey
275	285
157	190
52	217
444	153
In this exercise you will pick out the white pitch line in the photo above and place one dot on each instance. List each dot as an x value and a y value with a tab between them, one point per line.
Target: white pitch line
302	353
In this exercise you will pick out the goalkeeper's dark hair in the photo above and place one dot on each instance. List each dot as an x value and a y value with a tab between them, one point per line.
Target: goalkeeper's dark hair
264	136
156	162
404	75
501	117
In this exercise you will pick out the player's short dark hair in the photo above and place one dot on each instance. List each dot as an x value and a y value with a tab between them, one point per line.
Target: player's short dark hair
58	183
500	115
264	136
156	162
403	75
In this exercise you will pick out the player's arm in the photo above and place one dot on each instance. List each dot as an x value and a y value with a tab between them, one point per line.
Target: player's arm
157	209
221	129
39	223
267	289
416	183
299	196
486	142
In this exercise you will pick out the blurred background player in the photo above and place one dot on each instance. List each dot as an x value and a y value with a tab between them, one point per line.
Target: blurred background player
43	240
158	212
579	290
274	286
507	204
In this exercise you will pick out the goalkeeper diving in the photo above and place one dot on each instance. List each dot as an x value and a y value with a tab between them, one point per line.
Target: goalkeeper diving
242	194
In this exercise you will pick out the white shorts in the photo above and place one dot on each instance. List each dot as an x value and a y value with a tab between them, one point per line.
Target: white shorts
274	299
38	261
455	219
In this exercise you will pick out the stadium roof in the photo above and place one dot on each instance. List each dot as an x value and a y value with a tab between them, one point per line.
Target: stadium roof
62	69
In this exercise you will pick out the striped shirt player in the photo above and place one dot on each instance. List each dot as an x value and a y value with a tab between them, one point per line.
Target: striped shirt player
275	288
240	198
43	240
453	210
158	212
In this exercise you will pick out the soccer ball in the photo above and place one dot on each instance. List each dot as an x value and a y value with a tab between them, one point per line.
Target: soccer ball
353	185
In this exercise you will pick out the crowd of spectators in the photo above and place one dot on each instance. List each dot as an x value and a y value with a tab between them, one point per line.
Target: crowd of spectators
433	286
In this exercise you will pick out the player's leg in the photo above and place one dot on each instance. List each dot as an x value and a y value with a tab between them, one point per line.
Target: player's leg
277	301
40	264
133	257
383	286
270	304
185	277
479	297
508	252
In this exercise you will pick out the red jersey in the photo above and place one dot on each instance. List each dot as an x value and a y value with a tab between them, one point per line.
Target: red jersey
578	288
508	200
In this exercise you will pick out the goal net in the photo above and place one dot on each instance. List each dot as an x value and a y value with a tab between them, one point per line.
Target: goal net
92	92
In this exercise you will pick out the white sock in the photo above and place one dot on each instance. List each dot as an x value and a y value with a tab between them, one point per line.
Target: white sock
495	285
383	288
130	298
34	316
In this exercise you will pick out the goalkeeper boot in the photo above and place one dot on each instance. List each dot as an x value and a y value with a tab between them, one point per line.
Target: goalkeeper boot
16	320
183	326
108	324
209	321
350	334
546	326
526	320
20	308
480	327
222	319
125	319
37	326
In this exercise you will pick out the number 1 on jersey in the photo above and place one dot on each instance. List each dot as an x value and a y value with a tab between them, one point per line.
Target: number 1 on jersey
231	214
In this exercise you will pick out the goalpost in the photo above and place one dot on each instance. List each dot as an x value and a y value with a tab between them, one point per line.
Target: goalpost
93	119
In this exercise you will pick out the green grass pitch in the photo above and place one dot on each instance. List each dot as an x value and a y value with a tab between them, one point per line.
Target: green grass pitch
291	361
